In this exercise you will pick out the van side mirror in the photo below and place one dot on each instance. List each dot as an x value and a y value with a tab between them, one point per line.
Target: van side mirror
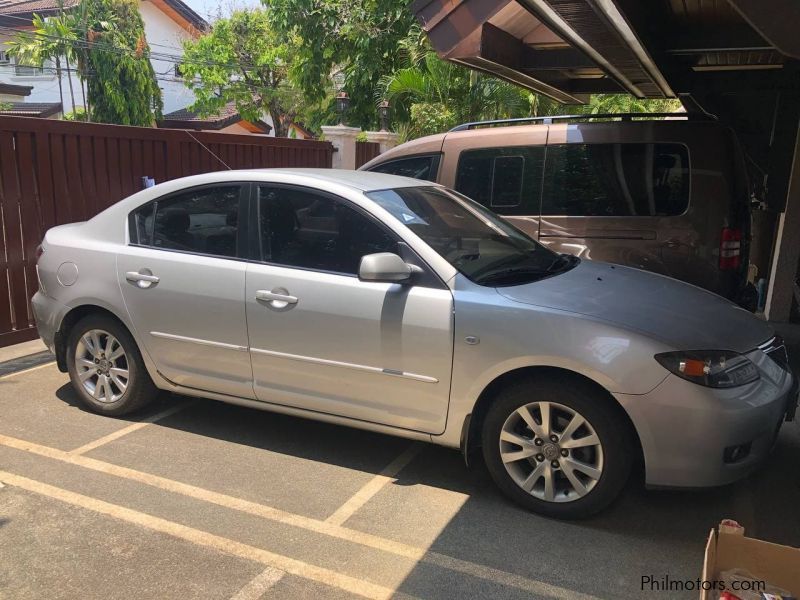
385	267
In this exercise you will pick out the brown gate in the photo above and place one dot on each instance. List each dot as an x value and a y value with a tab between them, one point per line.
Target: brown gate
366	151
55	172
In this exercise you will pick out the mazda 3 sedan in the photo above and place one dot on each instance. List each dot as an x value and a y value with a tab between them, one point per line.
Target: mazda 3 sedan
399	306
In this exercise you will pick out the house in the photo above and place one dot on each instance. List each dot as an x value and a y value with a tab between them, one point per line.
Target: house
12	103
167	23
226	120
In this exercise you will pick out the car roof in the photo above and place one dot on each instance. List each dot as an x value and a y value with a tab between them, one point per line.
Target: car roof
361	180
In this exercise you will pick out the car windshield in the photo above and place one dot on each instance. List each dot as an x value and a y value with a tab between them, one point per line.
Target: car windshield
481	245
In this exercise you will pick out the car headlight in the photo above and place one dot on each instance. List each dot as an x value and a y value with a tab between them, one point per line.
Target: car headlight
711	368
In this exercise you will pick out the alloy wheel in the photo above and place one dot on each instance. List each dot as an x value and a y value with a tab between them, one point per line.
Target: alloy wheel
551	451
102	366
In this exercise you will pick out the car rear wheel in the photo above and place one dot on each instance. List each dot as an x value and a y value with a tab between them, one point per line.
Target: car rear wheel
556	448
106	367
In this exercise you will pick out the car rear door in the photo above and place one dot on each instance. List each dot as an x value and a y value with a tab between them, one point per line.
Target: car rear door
182	278
321	339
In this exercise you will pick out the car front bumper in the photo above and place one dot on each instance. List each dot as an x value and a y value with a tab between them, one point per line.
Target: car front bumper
694	436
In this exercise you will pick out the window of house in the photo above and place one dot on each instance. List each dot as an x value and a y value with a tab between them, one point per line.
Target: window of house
507	180
4	58
616	180
205	221
303	229
418	167
27	70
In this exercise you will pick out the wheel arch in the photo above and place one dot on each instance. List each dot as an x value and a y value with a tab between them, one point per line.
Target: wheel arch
471	433
69	320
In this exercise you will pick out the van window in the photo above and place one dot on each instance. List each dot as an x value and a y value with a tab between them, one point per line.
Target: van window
418	167
616	180
507	180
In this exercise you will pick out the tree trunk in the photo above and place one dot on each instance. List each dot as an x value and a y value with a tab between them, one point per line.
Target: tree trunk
85	103
60	90
69	79
277	121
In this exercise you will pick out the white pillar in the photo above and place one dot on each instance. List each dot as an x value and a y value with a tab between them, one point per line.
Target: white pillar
343	139
387	139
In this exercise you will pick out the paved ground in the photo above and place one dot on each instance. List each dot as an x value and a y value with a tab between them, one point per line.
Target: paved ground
196	499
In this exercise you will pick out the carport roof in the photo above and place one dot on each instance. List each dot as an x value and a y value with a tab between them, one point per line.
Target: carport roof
567	49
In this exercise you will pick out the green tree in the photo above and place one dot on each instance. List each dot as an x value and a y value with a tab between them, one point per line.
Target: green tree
434	95
625	103
122	84
241	60
359	37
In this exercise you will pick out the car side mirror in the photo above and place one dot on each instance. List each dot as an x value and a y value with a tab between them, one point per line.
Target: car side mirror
385	267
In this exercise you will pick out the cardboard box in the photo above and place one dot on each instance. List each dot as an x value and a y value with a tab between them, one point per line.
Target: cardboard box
729	549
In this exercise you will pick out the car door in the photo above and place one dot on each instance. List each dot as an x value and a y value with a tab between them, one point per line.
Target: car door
321	339
182	278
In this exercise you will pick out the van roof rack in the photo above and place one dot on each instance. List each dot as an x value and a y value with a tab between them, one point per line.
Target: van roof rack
551	119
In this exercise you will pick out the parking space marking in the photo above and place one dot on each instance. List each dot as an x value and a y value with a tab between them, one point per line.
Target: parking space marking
374	485
444	561
293	566
23	372
130	428
259	584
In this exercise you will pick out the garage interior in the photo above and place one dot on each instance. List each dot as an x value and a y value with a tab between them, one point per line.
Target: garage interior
729	60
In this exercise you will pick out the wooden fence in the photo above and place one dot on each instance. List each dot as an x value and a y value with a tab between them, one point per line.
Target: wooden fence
55	172
366	151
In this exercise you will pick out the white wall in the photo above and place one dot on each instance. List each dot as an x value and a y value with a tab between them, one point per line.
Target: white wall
159	29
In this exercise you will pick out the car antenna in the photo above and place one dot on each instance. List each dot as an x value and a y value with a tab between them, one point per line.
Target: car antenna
208	149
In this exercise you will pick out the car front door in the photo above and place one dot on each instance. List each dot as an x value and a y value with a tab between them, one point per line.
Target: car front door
321	339
182	278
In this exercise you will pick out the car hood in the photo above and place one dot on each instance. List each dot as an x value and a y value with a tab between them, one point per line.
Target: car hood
679	314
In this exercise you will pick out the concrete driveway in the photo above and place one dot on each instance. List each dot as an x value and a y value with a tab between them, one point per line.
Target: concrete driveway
197	499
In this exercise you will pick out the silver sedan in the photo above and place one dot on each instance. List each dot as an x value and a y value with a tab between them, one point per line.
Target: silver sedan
399	306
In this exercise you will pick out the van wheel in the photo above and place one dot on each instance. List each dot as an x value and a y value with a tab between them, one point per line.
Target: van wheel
555	448
106	367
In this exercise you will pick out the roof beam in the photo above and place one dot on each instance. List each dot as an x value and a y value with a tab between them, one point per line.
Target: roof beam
775	21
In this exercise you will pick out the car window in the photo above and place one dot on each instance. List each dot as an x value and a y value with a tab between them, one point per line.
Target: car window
418	167
507	180
613	180
300	228
204	220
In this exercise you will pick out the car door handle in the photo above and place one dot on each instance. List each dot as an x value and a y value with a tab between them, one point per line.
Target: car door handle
142	279
277	298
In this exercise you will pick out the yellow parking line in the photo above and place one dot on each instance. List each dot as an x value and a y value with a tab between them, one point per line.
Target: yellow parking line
374	485
203	538
130	429
477	570
259	584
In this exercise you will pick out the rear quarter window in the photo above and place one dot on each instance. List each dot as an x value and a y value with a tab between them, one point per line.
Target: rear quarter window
616	180
417	167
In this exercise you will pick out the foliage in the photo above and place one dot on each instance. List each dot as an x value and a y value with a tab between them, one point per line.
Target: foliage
359	37
242	60
122	88
433	95
624	103
5	105
79	114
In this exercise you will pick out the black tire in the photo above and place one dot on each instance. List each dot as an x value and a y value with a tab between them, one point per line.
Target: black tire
140	389
594	407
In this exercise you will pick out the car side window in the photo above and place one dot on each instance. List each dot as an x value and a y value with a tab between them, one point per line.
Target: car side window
418	167
303	229
205	220
616	180
507	180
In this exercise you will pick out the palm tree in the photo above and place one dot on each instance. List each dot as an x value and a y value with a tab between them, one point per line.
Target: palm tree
52	38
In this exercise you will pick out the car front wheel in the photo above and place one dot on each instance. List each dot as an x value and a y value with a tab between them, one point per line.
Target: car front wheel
106	368
556	448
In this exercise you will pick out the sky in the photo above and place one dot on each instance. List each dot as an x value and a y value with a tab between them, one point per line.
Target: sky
210	8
